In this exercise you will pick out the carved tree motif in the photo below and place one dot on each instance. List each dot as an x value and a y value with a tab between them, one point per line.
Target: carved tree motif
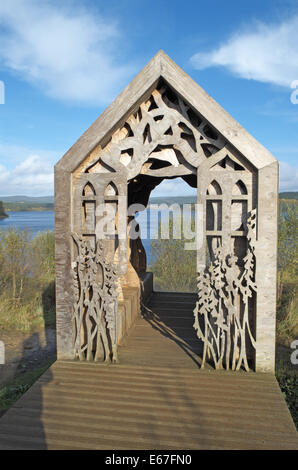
95	307
224	290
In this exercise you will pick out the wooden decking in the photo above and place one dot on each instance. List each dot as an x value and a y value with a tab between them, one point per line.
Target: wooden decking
156	398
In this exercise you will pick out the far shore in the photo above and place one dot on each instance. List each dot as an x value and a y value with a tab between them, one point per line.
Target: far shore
31	209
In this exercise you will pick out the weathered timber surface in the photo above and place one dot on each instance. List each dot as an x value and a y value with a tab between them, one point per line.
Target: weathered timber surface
156	398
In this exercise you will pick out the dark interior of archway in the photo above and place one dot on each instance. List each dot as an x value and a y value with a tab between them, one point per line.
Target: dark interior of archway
140	187
139	191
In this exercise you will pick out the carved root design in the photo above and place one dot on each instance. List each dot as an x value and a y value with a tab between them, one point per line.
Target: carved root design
95	306
222	311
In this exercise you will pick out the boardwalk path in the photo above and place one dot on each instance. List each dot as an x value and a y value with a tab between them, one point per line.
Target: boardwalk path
156	398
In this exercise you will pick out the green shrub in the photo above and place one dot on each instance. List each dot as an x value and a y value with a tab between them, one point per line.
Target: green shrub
174	268
43	255
287	377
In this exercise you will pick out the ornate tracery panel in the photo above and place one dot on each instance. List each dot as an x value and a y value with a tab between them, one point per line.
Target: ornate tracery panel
225	310
163	138
99	257
95	307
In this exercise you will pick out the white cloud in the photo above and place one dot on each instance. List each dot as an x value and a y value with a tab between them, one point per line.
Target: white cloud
264	52
288	177
32	177
68	51
13	155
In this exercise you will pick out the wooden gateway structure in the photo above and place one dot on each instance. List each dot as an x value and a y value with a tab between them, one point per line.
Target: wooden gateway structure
163	125
154	395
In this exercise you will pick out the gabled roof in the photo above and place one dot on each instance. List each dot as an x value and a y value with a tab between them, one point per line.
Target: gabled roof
162	66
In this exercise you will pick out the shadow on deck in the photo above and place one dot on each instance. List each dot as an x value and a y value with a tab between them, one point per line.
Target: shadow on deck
166	323
156	398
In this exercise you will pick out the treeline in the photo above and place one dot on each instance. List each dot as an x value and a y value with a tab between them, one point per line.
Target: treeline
27	273
173	200
289	195
28	206
287	204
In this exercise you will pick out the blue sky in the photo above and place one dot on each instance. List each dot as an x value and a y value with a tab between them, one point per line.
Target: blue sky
62	63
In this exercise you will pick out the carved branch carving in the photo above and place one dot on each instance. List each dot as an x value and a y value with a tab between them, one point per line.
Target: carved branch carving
95	306
222	311
163	122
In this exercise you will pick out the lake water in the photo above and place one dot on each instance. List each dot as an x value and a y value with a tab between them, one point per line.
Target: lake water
41	221
34	221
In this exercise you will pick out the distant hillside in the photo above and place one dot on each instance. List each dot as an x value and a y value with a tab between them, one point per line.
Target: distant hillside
192	199
22	206
173	200
26	203
289	195
2	211
28	199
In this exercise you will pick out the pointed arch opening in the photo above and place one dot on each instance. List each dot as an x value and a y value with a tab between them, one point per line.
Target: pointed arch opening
88	190
111	190
239	188
214	188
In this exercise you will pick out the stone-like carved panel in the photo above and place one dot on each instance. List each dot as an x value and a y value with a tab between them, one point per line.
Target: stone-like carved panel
225	307
95	306
165	138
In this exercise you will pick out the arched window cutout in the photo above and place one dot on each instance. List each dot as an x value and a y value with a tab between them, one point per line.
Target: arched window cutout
111	190
100	167
88	190
214	188
239	188
227	164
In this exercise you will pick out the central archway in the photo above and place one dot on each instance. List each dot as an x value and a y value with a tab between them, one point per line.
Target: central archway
165	244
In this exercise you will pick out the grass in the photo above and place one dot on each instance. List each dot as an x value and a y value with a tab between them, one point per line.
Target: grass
14	389
287	377
287	314
36	310
287	332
